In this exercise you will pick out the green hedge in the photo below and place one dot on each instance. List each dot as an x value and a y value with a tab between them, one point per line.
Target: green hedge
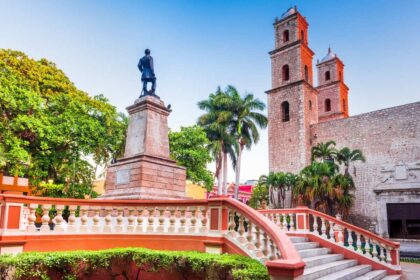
87	264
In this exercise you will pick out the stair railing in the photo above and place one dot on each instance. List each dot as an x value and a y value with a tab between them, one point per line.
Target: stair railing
335	230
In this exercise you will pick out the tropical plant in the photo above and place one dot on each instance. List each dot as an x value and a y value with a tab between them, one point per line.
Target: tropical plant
325	152
222	143
278	183
346	156
189	149
244	123
259	194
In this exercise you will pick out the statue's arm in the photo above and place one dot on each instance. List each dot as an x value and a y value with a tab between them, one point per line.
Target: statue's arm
140	66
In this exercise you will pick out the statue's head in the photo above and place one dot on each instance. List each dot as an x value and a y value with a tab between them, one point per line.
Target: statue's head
147	51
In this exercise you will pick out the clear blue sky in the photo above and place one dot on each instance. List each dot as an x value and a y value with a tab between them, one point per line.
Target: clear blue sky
198	45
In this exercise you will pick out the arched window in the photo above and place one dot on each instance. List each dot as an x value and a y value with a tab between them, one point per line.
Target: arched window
340	75
285	36
306	73
310	105
344	105
285	72
302	35
327	76
327	105
285	114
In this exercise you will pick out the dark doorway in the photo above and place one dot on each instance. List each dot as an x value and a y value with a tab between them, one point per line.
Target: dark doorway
404	220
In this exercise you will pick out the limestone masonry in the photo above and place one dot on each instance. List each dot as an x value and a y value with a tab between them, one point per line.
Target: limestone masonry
301	116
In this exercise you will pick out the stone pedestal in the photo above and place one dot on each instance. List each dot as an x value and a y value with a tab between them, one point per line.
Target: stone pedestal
146	170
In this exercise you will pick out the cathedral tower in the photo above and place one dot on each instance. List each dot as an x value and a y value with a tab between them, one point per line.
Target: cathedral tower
332	91
292	101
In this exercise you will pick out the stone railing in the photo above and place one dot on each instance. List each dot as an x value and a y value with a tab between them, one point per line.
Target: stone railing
234	225
334	230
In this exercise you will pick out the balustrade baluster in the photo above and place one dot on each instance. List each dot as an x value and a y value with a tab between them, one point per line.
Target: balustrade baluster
388	255
292	221
193	220
367	247
374	251
323	228
119	226
151	220
204	220
315	225
96	219
108	219
45	227
381	252
331	231
139	226
285	225
275	218
273	251
71	226
59	221
241	229
350	238
250	236
161	219
182	220
232	224
172	219
84	227
32	218
265	246
130	219
258	249
340	235
359	243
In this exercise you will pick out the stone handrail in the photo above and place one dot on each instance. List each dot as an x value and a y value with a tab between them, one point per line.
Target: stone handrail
361	241
252	233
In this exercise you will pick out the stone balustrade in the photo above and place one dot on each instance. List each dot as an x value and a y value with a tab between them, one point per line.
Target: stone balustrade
334	230
222	224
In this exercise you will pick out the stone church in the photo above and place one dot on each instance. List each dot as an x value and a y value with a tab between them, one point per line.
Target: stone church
301	115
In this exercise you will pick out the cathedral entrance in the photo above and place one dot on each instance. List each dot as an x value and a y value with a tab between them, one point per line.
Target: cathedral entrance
404	220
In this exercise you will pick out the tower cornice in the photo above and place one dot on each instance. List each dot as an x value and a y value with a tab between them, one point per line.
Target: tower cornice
297	83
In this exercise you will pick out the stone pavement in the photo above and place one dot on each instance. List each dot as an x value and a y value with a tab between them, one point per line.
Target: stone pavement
411	271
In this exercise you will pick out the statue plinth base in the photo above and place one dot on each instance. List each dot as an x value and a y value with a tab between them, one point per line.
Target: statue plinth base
146	170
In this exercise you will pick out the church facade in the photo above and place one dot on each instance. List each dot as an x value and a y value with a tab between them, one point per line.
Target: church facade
301	115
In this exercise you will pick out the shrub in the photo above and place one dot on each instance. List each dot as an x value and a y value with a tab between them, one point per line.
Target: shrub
129	263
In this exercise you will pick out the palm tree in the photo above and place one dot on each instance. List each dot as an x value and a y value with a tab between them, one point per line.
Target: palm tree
324	151
244	120
346	156
280	182
215	123
343	186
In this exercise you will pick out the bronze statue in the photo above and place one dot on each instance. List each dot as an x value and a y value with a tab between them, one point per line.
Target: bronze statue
148	73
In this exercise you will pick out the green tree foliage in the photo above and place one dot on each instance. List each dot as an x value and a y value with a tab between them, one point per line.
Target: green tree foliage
49	128
189	149
231	122
259	194
279	183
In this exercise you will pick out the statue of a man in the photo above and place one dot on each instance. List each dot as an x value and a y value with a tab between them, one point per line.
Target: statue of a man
148	73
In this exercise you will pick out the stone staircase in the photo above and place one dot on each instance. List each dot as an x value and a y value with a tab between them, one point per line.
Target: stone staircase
322	264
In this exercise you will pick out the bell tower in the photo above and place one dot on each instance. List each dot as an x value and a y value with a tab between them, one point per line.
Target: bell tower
332	91
292	101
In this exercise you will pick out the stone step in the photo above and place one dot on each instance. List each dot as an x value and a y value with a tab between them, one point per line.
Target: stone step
298	239
307	253
373	275
319	271
392	277
348	273
318	260
306	245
